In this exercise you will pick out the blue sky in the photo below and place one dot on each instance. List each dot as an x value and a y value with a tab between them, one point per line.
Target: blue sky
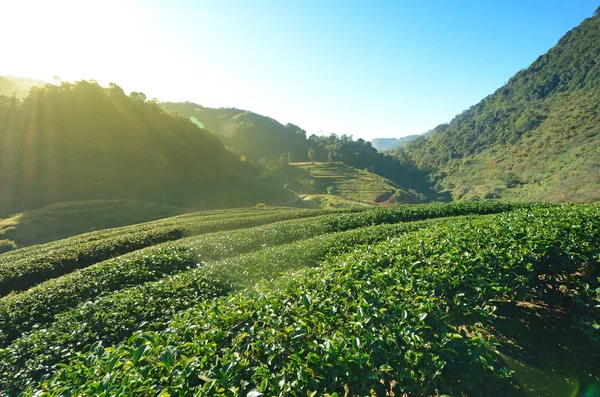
364	68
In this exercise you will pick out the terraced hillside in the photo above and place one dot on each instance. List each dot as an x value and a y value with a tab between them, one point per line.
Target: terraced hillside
400	300
346	182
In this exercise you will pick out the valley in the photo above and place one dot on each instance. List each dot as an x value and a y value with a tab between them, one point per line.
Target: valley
164	247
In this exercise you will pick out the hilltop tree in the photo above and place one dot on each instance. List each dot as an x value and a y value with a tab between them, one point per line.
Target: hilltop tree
138	96
115	89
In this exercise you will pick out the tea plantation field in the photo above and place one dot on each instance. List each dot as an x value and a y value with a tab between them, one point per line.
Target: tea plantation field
462	299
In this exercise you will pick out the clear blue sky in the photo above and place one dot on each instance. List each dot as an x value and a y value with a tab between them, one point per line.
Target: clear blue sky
365	68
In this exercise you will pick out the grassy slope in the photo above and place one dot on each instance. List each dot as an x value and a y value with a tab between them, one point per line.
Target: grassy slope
348	182
65	219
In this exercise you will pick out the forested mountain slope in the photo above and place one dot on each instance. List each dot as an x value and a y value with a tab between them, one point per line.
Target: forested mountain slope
247	133
537	137
82	141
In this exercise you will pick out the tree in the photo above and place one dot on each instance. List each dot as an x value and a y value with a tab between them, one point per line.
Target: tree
284	160
7	245
512	180
312	155
330	157
115	89
139	96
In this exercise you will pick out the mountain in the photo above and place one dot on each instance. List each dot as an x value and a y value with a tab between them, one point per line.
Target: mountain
264	140
383	143
535	138
82	141
19	86
391	143
249	134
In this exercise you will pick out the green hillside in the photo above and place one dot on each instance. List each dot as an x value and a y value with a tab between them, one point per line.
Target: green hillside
408	299
65	219
247	133
262	139
537	137
81	142
343	181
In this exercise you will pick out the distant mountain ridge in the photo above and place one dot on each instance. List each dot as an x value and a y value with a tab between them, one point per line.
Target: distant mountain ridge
535	138
18	86
382	144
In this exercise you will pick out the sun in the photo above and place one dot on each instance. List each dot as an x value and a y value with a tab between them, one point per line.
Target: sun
69	39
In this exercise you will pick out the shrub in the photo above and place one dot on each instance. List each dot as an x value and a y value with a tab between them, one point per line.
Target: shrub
7	245
512	180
